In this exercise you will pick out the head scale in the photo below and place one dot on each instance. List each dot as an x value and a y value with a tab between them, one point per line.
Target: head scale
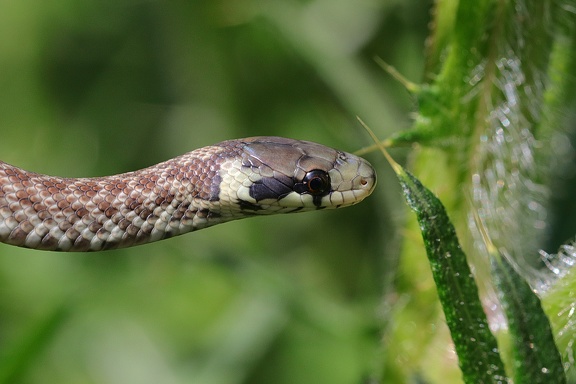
273	175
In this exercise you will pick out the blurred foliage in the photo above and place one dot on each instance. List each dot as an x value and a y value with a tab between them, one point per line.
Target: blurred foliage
101	87
495	128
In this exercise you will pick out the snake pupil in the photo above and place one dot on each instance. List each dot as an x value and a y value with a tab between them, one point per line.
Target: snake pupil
317	182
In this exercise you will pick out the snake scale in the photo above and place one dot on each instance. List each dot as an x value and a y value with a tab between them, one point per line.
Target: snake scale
230	180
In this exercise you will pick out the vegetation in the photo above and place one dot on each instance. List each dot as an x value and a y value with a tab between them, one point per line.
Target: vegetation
93	88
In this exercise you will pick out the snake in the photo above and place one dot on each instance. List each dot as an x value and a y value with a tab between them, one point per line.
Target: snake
230	180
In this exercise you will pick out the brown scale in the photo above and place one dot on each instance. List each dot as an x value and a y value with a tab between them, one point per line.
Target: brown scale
61	204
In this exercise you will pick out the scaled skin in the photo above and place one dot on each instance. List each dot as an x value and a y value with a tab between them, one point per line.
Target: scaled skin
227	181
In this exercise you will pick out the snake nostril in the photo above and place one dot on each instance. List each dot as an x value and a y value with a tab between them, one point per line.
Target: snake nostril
363	181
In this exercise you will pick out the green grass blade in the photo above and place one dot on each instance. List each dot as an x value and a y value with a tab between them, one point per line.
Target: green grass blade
536	357
476	347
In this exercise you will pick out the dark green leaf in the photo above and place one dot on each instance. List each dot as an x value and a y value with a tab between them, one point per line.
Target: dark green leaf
536	358
476	347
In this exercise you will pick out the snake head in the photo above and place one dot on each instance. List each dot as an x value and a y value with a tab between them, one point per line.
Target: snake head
274	175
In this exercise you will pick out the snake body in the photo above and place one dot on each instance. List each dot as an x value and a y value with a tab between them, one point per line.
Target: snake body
230	180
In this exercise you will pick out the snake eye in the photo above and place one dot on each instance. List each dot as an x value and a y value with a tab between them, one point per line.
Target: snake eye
317	183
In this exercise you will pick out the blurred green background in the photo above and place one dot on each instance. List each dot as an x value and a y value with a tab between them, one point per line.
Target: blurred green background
94	88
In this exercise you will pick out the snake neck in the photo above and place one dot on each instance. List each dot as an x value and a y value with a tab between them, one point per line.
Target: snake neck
93	214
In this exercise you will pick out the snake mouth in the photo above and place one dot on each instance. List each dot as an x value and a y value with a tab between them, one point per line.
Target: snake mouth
341	199
353	179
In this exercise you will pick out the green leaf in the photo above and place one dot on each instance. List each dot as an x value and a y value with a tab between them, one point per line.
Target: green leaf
476	347
536	357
